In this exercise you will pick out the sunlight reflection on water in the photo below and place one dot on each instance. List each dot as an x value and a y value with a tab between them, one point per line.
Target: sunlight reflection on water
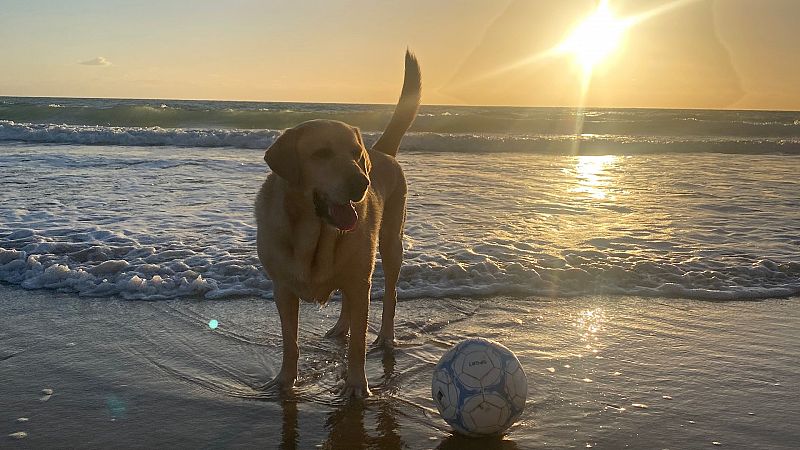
593	177
590	324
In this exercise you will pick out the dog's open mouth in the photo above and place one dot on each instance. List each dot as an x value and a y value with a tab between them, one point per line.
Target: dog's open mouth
343	216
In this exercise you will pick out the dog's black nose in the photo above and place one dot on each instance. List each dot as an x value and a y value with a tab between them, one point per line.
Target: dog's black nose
358	186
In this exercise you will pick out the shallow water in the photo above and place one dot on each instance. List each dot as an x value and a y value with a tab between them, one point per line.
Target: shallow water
606	372
166	222
590	268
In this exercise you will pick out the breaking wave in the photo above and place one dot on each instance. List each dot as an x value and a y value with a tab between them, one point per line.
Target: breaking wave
415	141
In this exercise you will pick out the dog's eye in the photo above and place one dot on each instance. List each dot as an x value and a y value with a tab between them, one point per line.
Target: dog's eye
323	153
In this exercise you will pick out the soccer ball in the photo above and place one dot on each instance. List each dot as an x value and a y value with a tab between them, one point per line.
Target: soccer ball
479	387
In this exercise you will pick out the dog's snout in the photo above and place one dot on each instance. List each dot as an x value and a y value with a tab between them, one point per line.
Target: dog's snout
358	187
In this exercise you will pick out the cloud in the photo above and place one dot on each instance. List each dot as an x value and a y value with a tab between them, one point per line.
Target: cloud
99	61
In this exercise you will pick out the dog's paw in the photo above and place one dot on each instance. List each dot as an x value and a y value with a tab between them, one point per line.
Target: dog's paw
358	389
282	383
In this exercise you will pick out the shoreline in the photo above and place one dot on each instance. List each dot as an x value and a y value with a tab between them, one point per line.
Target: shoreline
133	374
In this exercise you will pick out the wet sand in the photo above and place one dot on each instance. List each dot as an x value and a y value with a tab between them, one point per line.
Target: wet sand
606	372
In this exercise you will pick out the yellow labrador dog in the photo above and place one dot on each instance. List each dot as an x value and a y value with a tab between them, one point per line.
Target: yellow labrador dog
322	213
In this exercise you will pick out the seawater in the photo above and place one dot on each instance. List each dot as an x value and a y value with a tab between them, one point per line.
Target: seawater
153	199
254	125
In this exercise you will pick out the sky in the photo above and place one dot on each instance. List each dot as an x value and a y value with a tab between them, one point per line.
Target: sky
737	54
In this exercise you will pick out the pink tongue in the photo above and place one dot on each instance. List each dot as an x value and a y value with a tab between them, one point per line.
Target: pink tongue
343	216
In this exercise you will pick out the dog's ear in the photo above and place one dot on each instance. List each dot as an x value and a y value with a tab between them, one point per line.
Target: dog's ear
367	164
282	157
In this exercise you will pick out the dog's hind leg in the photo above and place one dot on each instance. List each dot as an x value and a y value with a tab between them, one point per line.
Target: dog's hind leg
342	325
391	247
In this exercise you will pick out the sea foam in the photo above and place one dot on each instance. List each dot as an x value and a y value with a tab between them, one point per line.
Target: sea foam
172	271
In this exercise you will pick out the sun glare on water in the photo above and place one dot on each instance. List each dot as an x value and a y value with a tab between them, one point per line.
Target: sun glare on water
592	177
594	39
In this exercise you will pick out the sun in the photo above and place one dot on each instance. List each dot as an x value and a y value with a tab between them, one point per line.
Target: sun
595	38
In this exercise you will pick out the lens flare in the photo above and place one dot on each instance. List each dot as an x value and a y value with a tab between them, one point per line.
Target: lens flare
213	324
594	39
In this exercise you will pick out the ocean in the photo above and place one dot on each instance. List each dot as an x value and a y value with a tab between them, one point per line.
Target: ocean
153	199
620	266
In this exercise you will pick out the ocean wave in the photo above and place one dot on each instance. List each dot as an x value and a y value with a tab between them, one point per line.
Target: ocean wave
138	136
94	262
195	114
416	141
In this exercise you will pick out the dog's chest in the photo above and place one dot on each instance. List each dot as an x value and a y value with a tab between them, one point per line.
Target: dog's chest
315	255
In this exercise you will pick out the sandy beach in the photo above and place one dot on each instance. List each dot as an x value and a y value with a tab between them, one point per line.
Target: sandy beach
603	372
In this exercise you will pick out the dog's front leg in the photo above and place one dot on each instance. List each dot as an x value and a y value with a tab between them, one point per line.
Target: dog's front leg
289	309
358	312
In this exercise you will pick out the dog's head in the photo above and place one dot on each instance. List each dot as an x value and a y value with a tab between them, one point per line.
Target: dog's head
326	158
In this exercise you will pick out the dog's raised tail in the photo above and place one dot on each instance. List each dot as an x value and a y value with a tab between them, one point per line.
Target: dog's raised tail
405	111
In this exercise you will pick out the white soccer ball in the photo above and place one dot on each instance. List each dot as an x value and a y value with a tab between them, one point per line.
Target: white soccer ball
479	387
